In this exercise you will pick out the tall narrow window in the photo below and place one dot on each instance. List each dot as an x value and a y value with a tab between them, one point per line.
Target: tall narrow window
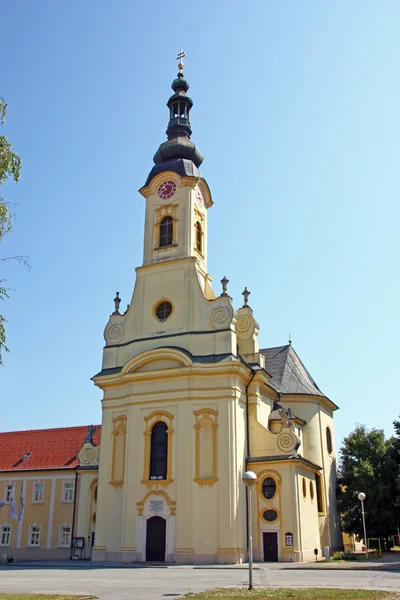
166	231
318	487
199	235
159	451
329	440
8	492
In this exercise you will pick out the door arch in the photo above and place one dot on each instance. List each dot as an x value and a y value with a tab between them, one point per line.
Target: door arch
155	539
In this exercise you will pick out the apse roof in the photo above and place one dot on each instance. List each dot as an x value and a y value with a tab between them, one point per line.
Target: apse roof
289	375
39	449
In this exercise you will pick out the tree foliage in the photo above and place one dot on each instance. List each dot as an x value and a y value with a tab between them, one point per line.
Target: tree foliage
368	463
10	167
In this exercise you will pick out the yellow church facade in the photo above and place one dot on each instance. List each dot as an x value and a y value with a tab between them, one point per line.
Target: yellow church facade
191	402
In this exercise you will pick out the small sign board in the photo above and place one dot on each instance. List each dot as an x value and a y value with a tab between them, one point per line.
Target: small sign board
78	542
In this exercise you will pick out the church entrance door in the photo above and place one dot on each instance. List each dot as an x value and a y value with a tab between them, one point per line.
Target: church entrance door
155	539
270	543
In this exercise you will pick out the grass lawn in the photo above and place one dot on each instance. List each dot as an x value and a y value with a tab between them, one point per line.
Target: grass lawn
42	597
283	594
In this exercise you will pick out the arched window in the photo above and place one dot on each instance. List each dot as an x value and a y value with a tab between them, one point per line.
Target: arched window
199	235
166	232
159	451
329	440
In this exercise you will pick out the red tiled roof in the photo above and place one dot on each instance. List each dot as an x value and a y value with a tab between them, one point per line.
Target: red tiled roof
50	448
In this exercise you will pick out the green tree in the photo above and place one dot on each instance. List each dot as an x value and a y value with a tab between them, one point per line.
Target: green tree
367	465
10	166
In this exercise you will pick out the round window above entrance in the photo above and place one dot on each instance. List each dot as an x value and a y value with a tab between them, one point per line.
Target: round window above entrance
270	515
163	310
269	488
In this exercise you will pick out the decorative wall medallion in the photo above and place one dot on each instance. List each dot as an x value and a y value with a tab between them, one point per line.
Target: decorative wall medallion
166	189
87	455
286	442
252	409
221	317
113	333
245	324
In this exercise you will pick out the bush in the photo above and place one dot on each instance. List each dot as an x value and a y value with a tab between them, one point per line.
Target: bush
344	556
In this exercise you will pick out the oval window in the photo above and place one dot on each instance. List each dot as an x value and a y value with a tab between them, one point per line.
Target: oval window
163	310
269	488
304	488
270	515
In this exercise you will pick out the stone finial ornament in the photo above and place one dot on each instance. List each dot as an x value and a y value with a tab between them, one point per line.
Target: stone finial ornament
91	430
117	302
246	295
224	283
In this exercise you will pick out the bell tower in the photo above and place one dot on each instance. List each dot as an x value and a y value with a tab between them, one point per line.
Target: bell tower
177	197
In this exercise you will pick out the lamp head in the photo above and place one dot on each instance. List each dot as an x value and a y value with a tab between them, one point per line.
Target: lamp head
249	478
361	496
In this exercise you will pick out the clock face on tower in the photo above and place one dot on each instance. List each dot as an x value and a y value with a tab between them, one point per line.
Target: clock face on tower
199	198
166	189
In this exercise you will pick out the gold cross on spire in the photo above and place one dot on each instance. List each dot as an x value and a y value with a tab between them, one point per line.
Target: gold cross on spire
180	57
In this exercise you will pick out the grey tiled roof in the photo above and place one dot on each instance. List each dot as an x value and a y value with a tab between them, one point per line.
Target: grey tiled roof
289	375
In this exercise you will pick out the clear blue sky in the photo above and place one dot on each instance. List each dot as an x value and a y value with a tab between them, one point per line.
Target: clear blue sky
296	110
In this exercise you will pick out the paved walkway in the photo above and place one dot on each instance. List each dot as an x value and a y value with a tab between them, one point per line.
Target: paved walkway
158	583
390	561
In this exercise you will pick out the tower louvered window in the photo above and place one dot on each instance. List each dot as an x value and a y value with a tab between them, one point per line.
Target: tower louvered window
159	451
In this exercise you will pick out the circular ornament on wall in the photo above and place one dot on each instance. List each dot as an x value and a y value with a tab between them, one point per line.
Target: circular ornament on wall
286	442
113	333
220	317
166	189
87	455
245	324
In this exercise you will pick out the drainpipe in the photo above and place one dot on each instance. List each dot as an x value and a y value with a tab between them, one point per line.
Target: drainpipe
74	511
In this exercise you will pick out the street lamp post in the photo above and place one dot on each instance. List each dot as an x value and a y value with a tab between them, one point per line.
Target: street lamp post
249	479
362	496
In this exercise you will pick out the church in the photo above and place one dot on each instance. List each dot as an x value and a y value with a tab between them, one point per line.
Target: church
190	402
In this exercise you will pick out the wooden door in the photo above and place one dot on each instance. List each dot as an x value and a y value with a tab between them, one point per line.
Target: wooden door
155	539
270	542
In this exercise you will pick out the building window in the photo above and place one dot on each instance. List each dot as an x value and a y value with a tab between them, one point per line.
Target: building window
311	491
159	451
304	488
269	488
199	238
166	232
270	515
163	310
68	491
329	440
64	539
34	535
8	492
318	487
5	534
38	493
